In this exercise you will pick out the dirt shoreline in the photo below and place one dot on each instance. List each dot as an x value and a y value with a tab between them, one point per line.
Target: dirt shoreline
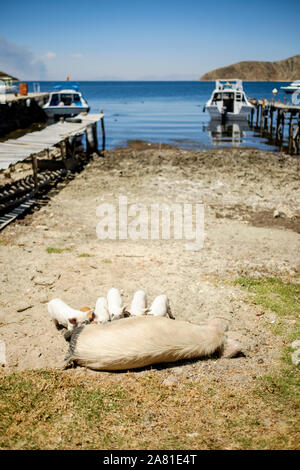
251	201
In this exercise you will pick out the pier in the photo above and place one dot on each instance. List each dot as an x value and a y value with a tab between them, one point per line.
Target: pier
21	111
279	122
62	138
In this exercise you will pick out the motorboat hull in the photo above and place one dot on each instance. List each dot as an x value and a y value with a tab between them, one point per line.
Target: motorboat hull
52	111
215	114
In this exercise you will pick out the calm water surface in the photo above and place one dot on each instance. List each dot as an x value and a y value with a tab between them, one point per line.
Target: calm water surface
168	112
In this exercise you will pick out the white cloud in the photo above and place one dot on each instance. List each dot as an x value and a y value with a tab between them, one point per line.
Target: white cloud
20	61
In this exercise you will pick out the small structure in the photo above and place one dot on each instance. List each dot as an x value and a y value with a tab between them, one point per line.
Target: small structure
7	85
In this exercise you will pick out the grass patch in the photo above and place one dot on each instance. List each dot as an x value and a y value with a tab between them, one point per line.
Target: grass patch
84	255
51	249
55	410
281	297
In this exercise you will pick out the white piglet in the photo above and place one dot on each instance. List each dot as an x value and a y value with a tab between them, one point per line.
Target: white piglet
139	304
101	311
64	315
115	304
160	307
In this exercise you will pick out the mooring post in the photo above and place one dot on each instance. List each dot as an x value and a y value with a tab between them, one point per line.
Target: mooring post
103	131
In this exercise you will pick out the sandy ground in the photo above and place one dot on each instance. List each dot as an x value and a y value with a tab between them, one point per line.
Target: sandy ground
252	227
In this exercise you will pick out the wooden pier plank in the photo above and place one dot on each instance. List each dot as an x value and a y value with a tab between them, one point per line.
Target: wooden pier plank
14	150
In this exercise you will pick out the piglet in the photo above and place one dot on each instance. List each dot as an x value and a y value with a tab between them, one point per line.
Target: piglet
139	304
66	316
102	314
115	304
160	307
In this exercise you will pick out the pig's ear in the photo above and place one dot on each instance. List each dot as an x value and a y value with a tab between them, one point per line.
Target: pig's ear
85	309
73	321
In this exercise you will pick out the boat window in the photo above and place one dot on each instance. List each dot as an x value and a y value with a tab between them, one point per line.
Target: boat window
66	99
217	97
76	97
54	100
238	97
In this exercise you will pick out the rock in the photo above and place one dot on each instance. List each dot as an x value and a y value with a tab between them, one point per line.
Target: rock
296	357
296	344
193	434
170	380
284	211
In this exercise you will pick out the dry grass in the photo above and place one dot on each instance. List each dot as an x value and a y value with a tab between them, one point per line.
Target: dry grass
56	410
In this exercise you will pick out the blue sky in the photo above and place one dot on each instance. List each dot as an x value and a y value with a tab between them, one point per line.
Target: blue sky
131	39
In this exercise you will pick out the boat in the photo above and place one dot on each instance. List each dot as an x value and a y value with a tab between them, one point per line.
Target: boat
294	86
66	102
228	101
7	85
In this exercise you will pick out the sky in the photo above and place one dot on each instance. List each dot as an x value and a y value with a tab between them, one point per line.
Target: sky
146	39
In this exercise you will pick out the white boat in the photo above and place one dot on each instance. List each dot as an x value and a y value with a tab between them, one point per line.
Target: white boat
7	85
66	102
228	101
294	86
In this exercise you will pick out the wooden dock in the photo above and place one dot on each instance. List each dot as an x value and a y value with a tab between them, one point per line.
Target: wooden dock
19	196
41	97
15	150
273	119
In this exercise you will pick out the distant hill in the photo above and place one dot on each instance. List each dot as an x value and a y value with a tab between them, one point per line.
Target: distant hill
3	74
282	70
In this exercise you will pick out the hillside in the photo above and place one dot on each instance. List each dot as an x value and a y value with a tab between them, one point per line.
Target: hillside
283	70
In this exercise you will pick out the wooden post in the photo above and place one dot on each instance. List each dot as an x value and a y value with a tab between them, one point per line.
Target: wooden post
271	120
251	117
63	150
103	131
34	168
88	144
278	125
257	114
291	134
95	137
261	117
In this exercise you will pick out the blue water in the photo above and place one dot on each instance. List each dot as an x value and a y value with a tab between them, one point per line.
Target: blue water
167	112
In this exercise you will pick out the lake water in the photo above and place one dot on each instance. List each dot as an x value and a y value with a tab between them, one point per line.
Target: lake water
168	112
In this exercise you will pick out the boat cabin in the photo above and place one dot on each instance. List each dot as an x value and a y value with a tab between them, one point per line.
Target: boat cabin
65	99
